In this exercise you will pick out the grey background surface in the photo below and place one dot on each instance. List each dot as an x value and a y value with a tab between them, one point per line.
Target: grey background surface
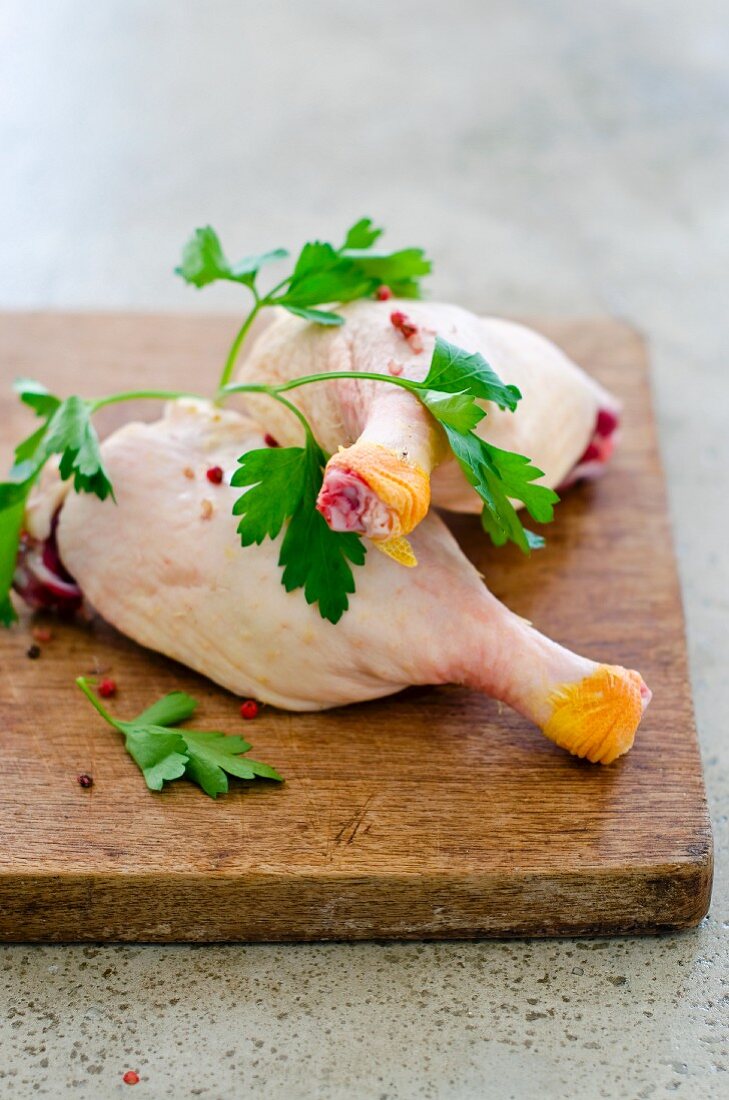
560	157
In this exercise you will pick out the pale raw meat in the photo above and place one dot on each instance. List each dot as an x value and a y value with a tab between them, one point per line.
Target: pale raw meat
165	566
565	422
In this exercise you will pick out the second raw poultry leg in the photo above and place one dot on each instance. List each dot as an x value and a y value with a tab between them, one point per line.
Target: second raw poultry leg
165	566
385	446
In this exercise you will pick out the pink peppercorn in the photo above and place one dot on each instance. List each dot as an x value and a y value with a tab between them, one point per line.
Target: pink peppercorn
84	780
249	709
383	293
131	1077
214	475
107	688
270	441
403	324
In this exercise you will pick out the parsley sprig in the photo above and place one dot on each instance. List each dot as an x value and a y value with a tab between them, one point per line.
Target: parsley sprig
281	484
455	382
66	431
323	274
163	752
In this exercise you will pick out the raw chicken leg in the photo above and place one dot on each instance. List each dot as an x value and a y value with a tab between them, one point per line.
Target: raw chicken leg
378	482
165	567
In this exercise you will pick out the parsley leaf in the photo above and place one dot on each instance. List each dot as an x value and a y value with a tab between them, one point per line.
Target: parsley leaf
36	396
163	752
204	262
455	382
159	753
11	524
322	275
211	755
496	476
362	234
277	476
453	370
175	707
326	274
284	483
314	557
457	410
67	431
71	434
316	316
401	271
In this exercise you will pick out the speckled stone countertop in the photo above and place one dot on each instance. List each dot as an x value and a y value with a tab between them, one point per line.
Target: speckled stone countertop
554	157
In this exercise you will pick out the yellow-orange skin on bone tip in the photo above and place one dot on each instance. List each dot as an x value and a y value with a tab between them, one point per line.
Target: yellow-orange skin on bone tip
399	550
597	717
400	484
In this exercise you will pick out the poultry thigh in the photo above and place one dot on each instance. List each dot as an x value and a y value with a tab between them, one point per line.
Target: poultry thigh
165	566
384	444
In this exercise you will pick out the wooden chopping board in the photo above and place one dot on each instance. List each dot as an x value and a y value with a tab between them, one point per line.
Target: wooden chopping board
433	814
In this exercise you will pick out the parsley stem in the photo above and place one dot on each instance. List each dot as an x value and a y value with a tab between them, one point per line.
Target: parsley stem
135	395
86	689
254	387
292	408
236	345
405	383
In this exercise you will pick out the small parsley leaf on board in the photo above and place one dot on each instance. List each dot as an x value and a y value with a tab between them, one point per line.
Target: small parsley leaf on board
164	753
282	486
211	755
175	707
158	752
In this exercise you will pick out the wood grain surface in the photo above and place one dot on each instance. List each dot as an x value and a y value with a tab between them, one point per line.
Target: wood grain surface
432	814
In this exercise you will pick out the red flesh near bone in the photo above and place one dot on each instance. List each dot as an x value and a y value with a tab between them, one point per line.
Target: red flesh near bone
41	578
598	451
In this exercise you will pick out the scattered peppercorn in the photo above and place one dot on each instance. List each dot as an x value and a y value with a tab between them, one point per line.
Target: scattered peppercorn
407	329
403	324
270	441
383	293
214	475
249	709
42	633
33	651
107	688
84	780
131	1077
